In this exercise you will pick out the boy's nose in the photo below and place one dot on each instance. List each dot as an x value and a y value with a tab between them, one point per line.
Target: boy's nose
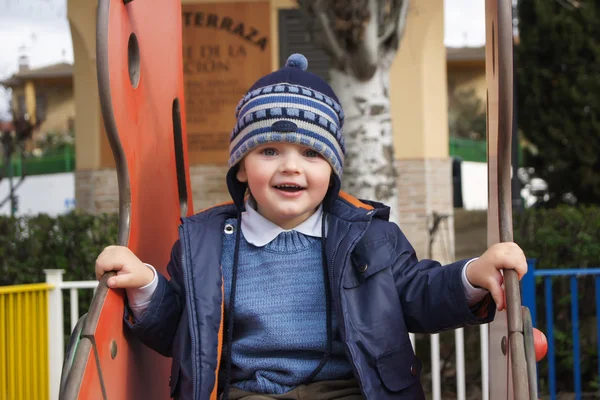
290	164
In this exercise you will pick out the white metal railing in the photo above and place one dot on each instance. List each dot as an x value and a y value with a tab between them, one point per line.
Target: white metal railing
459	353
56	340
56	345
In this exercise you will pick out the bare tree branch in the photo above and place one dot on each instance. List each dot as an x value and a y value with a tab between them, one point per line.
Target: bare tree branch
387	20
11	195
389	47
387	33
331	43
359	35
364	58
12	140
401	18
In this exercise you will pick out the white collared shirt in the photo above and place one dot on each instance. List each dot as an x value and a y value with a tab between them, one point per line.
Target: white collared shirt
259	231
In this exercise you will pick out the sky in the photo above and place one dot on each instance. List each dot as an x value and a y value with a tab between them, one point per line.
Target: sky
39	29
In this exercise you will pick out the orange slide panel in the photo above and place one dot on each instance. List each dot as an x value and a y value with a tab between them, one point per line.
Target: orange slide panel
140	78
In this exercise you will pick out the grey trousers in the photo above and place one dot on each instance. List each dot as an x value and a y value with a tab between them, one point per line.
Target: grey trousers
324	390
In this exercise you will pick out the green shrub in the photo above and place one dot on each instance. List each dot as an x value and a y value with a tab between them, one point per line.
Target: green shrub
565	238
71	242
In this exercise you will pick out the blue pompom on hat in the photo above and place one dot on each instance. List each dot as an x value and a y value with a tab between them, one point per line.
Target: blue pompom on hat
289	105
297	61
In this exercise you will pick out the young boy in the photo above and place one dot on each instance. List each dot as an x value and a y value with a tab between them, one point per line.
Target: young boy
314	291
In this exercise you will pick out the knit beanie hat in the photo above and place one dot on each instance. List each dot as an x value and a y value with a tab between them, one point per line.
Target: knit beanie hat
289	105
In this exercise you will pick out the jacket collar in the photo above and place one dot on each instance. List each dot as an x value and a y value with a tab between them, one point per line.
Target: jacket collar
352	209
344	207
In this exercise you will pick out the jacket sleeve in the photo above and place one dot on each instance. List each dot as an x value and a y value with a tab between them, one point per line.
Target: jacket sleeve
432	295
158	325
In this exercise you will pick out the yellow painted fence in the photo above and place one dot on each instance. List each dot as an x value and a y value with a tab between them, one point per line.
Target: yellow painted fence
24	342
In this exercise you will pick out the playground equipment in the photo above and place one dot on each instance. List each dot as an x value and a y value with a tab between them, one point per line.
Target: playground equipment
141	92
512	356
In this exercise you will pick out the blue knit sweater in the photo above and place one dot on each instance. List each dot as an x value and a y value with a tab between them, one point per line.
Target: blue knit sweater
280	317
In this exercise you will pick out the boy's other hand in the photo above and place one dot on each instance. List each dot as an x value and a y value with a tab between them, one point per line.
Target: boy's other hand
130	271
485	271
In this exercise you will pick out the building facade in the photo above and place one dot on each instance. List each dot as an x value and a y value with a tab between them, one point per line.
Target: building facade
418	95
46	95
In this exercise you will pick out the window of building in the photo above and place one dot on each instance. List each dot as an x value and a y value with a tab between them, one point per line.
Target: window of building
40	107
294	37
21	106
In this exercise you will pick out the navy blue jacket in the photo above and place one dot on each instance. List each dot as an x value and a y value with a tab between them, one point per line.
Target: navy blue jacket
380	292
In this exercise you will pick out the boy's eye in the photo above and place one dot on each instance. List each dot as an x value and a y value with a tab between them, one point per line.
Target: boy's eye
269	151
311	153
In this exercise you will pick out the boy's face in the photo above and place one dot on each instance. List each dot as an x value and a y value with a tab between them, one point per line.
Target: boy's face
288	181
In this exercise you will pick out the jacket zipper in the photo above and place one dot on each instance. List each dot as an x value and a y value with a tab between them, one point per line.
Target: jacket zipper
186	285
337	246
342	323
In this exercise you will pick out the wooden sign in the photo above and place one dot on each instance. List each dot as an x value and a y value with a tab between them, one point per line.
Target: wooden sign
226	48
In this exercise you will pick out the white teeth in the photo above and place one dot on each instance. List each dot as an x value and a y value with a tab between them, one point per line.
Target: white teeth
289	186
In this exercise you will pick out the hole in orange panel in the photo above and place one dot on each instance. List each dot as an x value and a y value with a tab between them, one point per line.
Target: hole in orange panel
133	60
179	160
113	349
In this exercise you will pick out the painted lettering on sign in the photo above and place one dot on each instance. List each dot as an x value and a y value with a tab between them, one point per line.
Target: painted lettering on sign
226	48
248	33
211	58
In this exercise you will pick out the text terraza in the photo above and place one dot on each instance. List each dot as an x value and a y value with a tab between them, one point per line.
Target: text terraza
209	20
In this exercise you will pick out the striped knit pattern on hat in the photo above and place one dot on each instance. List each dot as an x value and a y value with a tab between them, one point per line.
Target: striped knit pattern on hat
291	113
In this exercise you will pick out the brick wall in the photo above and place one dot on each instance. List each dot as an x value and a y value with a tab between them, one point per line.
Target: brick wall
97	191
208	185
425	188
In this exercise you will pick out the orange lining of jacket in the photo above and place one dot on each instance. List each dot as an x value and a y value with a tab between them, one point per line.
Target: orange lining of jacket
354	201
213	395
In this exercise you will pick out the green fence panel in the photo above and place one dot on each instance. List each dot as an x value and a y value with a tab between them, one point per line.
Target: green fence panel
53	163
468	150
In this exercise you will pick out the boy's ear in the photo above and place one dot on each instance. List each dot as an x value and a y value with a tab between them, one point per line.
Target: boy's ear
241	174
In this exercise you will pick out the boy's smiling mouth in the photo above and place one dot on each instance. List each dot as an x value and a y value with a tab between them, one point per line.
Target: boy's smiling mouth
289	188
